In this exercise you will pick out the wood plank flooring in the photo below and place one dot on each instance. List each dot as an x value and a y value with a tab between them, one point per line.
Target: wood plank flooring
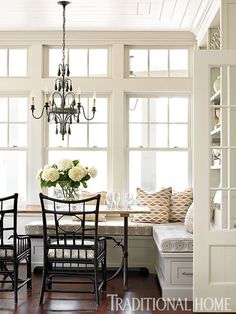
140	286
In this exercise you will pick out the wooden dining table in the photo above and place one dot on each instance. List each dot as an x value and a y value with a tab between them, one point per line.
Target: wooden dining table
124	213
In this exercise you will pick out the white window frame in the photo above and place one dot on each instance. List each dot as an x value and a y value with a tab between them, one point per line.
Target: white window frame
187	149
27	61
24	149
106	149
46	49
150	47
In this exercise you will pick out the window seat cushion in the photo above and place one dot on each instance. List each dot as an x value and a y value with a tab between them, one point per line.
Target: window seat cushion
172	237
109	227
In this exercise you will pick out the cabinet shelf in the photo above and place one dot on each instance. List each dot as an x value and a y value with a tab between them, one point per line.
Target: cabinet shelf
216	131
216	167
216	97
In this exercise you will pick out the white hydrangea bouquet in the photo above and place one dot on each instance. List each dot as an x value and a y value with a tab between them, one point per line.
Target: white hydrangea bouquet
68	175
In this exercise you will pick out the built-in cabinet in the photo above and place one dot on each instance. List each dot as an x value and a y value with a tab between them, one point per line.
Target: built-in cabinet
222	131
214	147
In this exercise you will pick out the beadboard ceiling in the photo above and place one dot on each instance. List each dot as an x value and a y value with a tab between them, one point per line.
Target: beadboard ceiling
103	14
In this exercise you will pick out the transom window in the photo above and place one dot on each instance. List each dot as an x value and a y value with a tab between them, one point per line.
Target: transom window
13	145
159	142
84	62
158	62
13	62
87	142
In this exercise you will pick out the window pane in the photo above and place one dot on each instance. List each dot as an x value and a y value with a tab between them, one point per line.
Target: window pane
97	135
13	170
18	135
17	62
178	135
3	62
154	170
88	159
178	109
178	62
158	109
78	137
138	135
3	109
158	135
158	62
138	109
55	140
18	109
98	62
78	62
55	58
138	59
3	135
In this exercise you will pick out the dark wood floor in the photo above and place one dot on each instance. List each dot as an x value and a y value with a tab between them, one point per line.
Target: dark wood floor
140	286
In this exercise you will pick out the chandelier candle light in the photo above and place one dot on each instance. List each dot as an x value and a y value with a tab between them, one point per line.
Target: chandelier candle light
62	108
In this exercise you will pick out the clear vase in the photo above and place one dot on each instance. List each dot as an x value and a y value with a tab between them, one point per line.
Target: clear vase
66	192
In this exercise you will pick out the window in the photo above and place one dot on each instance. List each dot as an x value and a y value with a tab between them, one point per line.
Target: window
159	142
83	61
87	142
13	62
13	145
158	62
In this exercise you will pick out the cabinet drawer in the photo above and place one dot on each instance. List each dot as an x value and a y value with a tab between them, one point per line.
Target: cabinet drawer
182	273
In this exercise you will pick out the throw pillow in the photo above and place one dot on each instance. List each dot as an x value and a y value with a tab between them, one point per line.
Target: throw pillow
189	219
179	204
91	217
157	202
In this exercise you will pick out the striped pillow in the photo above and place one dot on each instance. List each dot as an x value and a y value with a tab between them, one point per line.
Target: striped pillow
180	203
157	202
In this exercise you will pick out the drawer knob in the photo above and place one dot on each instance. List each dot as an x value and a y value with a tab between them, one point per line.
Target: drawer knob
187	274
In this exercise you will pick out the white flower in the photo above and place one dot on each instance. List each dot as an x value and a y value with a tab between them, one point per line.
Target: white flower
64	164
50	174
38	175
46	167
92	171
77	173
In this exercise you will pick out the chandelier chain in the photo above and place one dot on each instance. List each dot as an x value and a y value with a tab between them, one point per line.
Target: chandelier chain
63	35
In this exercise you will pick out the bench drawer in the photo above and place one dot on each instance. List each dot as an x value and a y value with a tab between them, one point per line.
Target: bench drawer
182	273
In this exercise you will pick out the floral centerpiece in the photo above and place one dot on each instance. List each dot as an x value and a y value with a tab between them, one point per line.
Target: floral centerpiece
68	175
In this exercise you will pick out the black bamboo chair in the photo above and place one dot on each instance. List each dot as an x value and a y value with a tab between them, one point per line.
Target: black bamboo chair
14	248
78	253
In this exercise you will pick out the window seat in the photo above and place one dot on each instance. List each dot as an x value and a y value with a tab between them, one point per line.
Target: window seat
141	244
164	249
174	260
109	227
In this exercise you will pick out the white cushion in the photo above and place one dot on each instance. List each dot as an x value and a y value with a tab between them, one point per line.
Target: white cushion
109	227
173	237
189	219
71	253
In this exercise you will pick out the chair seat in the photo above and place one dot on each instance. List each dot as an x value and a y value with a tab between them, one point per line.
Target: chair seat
6	250
74	253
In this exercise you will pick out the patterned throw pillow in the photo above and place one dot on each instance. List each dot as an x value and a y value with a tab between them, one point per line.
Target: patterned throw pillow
158	203
189	219
91	217
179	204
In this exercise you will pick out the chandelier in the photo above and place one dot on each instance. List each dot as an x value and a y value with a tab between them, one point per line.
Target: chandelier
62	107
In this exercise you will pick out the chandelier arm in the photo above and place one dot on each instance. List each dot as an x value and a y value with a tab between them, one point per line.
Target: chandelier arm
84	114
40	116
